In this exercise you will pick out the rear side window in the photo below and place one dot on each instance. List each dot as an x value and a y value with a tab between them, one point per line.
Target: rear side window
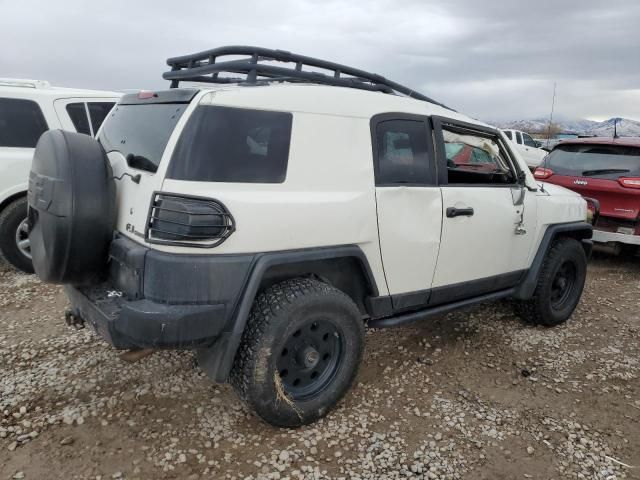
140	132
78	114
21	123
98	111
402	152
223	144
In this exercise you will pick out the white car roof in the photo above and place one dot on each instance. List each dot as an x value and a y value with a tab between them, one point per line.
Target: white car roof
32	89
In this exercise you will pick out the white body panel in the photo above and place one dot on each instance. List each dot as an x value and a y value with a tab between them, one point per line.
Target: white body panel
329	196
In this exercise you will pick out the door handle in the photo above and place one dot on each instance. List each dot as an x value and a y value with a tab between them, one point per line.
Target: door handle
457	212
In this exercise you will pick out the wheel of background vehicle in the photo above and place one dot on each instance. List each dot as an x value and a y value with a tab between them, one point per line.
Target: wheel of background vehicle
300	352
71	208
14	235
560	284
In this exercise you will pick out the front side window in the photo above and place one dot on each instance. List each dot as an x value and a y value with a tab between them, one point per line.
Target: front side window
78	115
508	134
475	159
402	152
21	123
223	144
528	141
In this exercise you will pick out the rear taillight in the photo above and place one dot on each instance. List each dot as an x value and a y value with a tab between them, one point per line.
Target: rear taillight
146	94
542	173
629	182
188	221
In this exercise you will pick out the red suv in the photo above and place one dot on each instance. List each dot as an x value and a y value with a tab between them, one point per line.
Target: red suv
607	169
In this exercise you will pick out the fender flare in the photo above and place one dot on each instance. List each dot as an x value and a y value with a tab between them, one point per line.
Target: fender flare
582	231
217	359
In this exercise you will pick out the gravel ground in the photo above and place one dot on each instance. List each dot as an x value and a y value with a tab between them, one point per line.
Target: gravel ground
472	395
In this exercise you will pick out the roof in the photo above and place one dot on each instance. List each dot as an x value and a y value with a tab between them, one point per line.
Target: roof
323	100
20	87
625	141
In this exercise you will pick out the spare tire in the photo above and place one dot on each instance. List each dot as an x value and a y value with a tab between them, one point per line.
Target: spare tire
71	208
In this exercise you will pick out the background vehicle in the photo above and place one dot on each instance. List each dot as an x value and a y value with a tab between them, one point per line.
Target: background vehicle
526	146
28	108
607	169
262	224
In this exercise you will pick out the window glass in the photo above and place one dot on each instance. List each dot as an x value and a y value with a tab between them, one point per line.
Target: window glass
98	111
508	134
528	141
223	144
595	160
141	131
519	137
402	152
78	114
475	159
21	123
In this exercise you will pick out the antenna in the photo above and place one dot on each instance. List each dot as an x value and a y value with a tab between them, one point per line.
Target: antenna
553	104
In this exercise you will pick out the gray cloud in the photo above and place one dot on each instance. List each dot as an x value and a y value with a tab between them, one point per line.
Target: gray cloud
490	59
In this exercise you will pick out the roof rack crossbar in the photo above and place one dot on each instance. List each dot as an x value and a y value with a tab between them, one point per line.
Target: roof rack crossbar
206	67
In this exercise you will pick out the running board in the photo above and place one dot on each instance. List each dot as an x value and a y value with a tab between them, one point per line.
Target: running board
406	318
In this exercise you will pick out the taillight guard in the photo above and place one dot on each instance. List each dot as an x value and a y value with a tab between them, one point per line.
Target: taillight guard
188	221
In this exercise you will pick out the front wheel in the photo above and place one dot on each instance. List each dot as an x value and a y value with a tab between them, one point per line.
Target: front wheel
15	247
560	284
300	352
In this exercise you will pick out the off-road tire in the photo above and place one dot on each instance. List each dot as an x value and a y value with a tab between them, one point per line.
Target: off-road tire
540	309
276	315
10	219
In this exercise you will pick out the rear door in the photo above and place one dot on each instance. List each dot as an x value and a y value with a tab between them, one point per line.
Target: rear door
409	205
488	218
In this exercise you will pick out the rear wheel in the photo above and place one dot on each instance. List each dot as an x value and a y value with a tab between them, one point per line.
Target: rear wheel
15	247
560	285
300	352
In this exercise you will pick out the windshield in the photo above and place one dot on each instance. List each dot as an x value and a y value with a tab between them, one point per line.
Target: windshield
140	132
604	161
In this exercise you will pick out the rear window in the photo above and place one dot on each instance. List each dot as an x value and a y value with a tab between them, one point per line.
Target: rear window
140	130
98	111
605	161
223	144
78	114
21	123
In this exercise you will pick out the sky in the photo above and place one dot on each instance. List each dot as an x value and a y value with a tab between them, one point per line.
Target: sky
493	60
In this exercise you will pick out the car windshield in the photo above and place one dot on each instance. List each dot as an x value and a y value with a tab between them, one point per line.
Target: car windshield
140	132
594	160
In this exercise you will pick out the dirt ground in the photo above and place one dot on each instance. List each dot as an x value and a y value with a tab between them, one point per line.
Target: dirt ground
476	394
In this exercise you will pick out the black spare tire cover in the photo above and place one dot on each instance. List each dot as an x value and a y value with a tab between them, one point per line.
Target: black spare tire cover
71	208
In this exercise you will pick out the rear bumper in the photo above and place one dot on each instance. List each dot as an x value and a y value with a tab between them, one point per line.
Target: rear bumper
603	237
153	299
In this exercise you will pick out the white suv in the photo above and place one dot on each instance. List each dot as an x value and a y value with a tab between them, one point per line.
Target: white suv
264	221
28	108
526	146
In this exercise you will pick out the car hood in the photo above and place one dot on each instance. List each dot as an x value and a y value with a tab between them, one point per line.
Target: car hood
556	190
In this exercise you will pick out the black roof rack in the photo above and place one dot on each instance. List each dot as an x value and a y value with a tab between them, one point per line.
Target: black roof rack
207	67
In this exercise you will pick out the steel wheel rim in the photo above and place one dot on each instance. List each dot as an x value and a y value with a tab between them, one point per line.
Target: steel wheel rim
563	284
310	358
22	238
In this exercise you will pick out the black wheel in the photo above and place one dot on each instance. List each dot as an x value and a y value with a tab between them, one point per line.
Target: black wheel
560	285
15	247
300	352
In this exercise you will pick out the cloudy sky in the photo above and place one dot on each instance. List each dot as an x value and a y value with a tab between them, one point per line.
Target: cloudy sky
491	59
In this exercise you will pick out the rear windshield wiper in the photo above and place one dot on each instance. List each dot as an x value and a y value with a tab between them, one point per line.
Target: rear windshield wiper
603	171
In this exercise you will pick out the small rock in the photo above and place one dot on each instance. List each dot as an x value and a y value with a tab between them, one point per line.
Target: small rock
66	441
530	450
18	475
284	456
12	446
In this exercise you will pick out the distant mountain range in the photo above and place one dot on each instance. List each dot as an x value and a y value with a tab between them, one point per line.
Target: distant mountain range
626	127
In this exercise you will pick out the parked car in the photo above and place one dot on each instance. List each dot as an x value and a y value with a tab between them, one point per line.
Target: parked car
29	108
607	169
526	146
262	224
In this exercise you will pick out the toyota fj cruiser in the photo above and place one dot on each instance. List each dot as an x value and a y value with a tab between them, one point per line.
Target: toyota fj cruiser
262	222
29	108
